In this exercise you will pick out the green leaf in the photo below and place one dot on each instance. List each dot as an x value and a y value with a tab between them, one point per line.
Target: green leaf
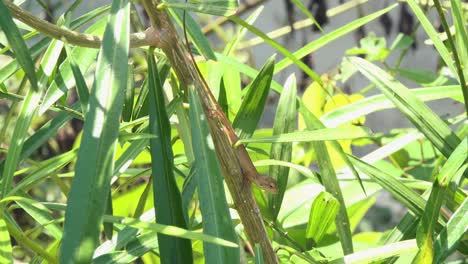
330	182
373	47
461	33
401	42
28	109
212	7
194	33
140	245
23	122
43	170
315	135
17	44
64	79
278	47
230	47
307	172
416	111
215	211
40	214
166	195
22	238
143	198
432	33
129	96
81	87
278	88
424	77
38	48
151	226
252	106
285	122
330	37
304	10
258	259
45	132
168	230
425	231
379	102
94	167
374	255
6	254
13	66
322	215
451	234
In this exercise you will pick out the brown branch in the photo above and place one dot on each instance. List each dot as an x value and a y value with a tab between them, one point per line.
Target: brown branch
79	39
246	206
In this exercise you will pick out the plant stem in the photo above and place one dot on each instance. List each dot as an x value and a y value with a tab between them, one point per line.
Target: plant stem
451	44
79	39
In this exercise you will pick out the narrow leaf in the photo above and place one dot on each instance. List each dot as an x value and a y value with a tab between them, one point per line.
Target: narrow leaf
377	254
252	106
17	44
212	7
379	102
330	183
81	87
129	96
6	254
278	47
330	37
452	233
432	33
194	33
28	109
416	111
166	195
285	122
425	231
215	211
64	80
322	215
315	135
94	167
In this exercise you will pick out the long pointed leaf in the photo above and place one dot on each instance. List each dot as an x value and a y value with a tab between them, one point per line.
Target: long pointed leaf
94	168
213	204
416	111
252	106
285	122
328	38
17	44
331	185
167	199
6	254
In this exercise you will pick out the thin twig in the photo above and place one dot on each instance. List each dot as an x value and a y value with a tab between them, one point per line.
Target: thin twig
79	39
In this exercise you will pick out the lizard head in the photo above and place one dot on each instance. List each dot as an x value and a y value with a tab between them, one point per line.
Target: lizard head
266	183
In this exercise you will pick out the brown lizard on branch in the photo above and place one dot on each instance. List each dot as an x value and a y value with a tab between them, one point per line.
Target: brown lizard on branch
213	109
163	34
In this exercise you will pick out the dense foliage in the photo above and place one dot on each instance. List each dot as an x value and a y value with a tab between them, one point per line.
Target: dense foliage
112	151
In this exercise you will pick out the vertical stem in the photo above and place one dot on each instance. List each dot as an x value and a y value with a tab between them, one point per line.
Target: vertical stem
186	72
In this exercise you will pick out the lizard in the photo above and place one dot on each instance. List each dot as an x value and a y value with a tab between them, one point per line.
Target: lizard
215	112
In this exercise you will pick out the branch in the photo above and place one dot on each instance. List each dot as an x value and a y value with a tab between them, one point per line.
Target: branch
79	39
246	206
